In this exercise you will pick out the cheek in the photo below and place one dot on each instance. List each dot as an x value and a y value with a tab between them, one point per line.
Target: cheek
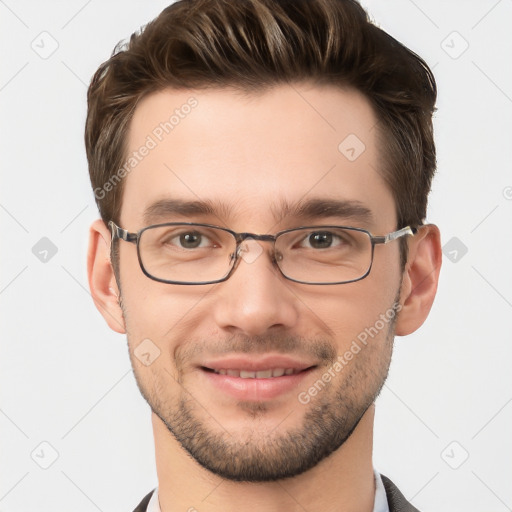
168	315
351	311
360	323
386	271
151	308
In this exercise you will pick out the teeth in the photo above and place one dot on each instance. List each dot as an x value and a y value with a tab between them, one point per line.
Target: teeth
261	374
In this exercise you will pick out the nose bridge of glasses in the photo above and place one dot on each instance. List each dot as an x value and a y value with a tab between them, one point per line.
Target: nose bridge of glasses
248	247
241	237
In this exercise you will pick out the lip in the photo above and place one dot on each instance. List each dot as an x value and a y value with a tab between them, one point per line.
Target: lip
255	389
257	363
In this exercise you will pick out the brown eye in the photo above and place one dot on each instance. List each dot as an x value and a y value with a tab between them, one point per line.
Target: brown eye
190	240
320	240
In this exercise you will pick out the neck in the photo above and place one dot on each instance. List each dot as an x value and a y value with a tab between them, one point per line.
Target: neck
341	483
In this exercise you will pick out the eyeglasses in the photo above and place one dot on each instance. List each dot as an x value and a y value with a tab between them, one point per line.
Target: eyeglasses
191	253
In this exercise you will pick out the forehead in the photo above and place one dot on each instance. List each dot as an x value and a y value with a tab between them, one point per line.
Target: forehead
248	155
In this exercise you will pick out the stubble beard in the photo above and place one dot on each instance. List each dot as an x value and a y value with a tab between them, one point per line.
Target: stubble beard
330	419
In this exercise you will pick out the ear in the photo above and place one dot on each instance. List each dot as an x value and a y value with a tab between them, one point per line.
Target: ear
102	282
420	279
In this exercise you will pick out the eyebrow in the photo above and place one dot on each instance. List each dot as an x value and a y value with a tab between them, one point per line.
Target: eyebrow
319	208
312	209
165	208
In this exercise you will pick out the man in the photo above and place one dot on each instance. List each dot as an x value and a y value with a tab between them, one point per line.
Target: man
262	170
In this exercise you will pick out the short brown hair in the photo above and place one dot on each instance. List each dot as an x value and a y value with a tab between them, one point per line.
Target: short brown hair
255	44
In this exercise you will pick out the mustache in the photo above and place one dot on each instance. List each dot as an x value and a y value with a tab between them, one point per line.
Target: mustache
321	349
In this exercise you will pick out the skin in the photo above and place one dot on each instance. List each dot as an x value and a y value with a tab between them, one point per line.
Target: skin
251	154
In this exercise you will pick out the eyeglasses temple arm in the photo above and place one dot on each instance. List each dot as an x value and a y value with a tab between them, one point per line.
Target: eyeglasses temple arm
121	233
394	235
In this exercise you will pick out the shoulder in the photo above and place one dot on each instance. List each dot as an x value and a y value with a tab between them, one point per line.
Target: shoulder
396	500
143	505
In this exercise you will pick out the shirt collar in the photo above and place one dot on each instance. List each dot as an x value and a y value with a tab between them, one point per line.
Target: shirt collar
380	503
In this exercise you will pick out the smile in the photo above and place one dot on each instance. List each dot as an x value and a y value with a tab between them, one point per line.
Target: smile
261	374
256	380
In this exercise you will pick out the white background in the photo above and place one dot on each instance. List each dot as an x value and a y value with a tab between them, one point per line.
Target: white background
66	378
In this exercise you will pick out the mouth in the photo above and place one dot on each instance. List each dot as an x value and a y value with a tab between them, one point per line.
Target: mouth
268	373
256	379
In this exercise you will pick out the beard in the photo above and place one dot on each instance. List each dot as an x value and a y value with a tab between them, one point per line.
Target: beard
256	455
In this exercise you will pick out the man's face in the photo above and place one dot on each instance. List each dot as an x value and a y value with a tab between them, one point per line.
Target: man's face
254	160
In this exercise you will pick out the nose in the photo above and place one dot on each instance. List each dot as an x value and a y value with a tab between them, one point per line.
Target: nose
256	298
